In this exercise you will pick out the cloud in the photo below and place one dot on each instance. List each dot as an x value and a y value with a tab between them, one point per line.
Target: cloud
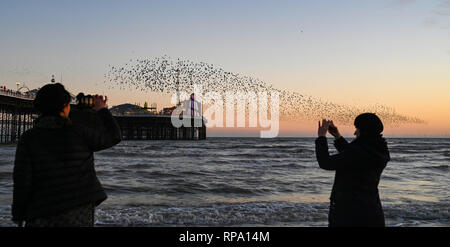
442	9
439	15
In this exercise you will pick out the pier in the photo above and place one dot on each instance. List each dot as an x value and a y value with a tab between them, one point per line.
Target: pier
157	128
17	115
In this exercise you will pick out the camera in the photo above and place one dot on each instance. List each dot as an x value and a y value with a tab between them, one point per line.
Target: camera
85	101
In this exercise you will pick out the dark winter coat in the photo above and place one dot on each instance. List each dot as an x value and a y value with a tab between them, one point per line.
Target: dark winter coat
54	166
354	198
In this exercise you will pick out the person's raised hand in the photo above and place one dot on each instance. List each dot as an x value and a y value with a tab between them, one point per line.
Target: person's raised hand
99	102
333	130
323	128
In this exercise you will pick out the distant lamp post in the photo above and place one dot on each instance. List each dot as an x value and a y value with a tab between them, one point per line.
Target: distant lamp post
18	84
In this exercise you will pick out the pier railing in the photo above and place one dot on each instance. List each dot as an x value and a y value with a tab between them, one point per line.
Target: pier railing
16	94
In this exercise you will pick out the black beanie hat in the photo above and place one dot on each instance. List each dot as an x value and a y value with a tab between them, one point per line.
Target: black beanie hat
369	123
51	98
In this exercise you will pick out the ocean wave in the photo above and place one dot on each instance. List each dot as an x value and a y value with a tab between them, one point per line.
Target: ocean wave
117	189
214	215
153	147
6	162
229	189
157	174
6	175
438	167
112	154
260	213
391	178
293	165
401	159
418	212
275	154
253	213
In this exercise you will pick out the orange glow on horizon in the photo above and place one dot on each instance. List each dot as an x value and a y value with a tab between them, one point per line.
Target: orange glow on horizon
309	129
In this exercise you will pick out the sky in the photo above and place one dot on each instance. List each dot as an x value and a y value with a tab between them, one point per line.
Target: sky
391	52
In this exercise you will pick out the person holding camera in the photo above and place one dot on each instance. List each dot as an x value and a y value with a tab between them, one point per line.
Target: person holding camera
355	200
55	183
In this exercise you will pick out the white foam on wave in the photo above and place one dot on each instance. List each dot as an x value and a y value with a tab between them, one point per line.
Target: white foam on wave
265	214
416	213
260	213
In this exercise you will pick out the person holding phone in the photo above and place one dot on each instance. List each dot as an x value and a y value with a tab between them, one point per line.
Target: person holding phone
358	165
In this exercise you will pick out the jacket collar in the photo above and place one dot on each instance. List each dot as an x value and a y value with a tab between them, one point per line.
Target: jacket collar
52	122
376	146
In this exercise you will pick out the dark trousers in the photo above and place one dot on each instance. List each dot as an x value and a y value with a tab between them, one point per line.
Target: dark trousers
351	215
82	216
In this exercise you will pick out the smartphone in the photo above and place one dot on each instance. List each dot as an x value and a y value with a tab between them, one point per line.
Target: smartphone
332	128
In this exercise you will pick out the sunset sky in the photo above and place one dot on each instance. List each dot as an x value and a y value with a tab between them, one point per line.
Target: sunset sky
390	52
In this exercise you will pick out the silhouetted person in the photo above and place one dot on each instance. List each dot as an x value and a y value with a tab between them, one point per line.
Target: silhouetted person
354	198
55	183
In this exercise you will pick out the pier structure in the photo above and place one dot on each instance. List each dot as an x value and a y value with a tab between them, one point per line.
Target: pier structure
17	115
157	127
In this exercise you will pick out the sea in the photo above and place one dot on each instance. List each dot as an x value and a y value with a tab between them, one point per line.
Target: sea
250	182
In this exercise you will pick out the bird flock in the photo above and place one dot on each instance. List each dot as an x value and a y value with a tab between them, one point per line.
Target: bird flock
166	75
